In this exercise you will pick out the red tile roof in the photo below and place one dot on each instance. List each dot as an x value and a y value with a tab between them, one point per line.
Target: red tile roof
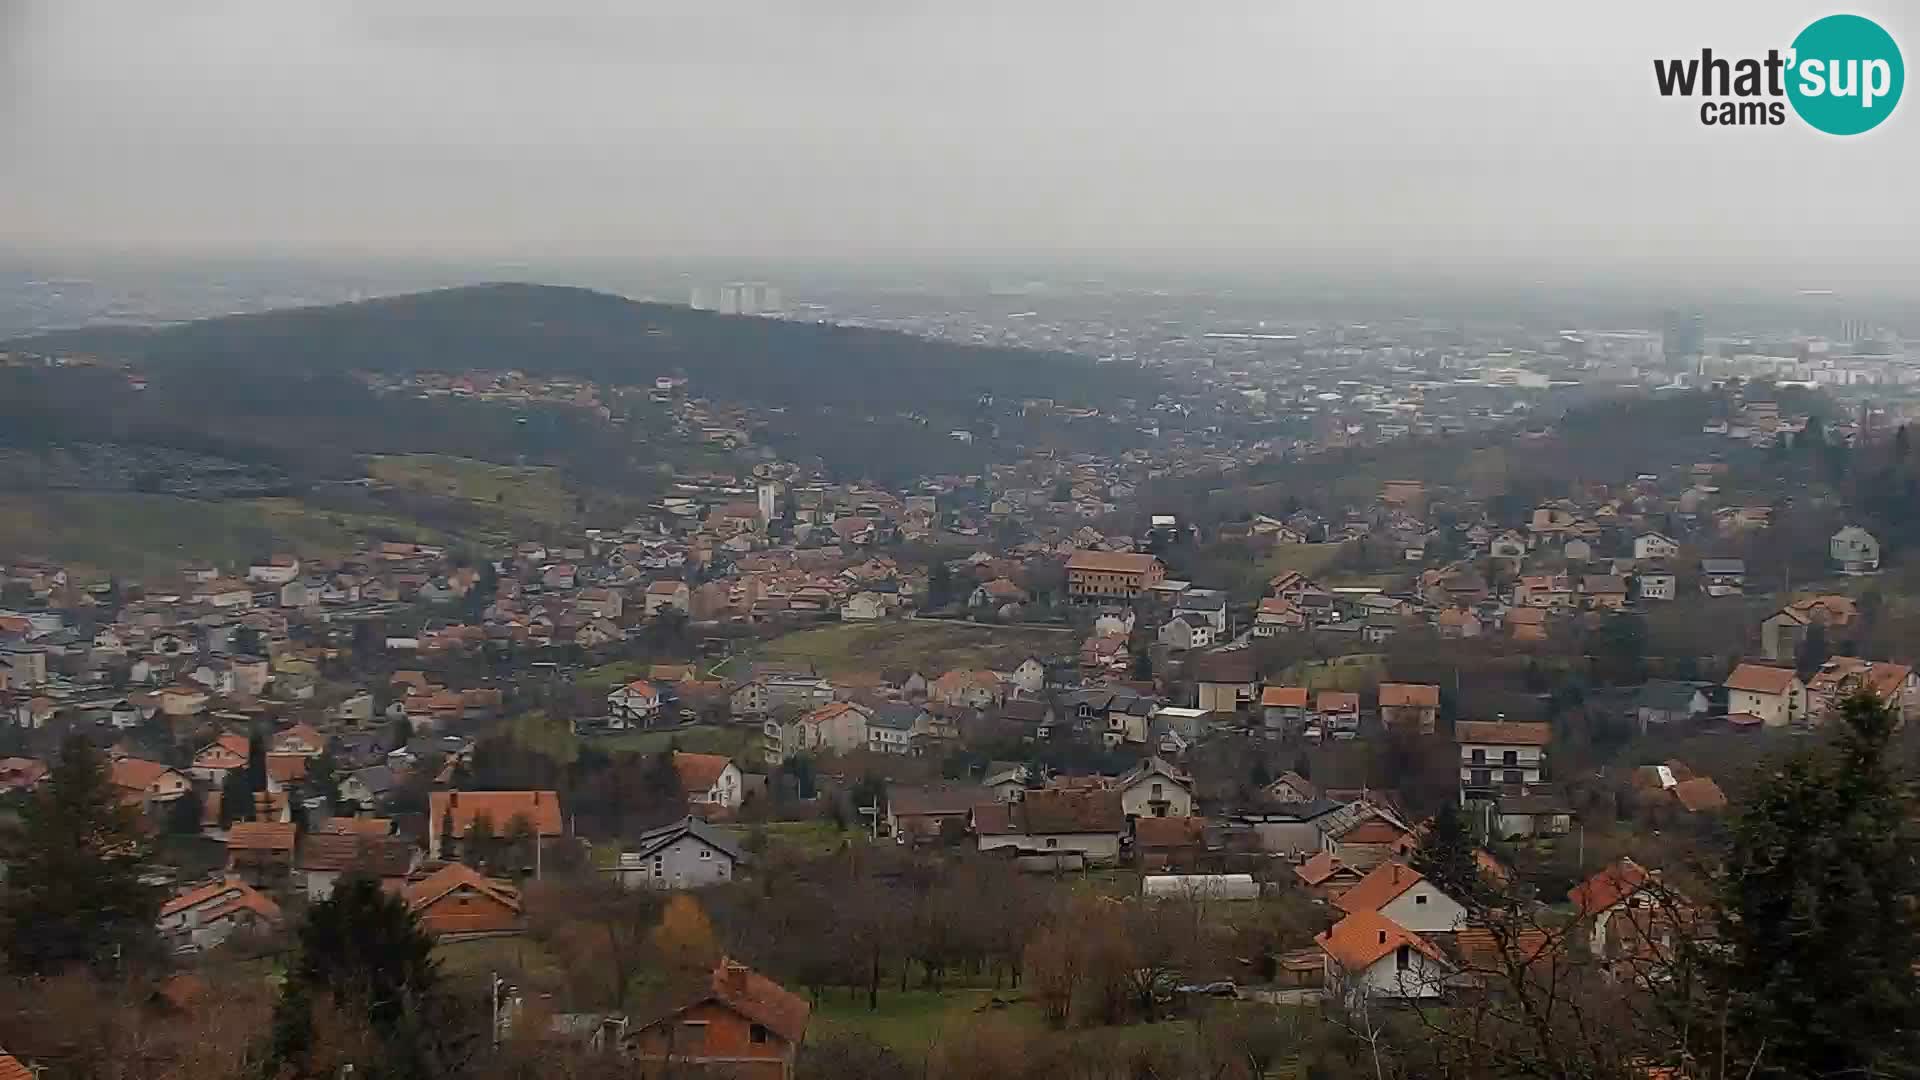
540	808
1358	940
454	876
1760	679
1610	886
1381	885
761	1000
1284	697
1502	733
699	772
11	1069
1111	562
261	836
1700	795
1415	695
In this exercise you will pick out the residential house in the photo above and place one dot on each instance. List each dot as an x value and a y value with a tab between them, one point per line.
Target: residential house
864	606
1854	550
1655	582
1284	709
146	784
1171	843
891	727
688	854
1106	576
368	788
451	815
1501	753
1369	956
1551	591
1526	624
220	757
205	916
1087	823
839	728
1528	814
1401	893
1603	592
300	739
1338	712
458	902
1291	787
742	1024
1783	632
1210	605
1226	681
1894	685
667	593
1765	696
324	858
1410	707
1154	788
1187	631
1665	701
1723	577
1458	623
709	780
970	688
1029	676
261	851
1616	908
1653	545
917	814
1278	615
1326	877
635	704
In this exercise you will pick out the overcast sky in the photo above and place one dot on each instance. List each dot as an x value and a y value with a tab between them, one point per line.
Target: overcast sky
1349	131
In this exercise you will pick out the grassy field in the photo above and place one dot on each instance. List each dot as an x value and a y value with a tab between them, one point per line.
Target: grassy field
1355	672
532	493
148	536
465	961
1309	559
912	1022
810	838
536	732
931	647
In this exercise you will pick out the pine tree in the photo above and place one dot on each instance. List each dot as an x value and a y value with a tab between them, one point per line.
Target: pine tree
236	798
360	945
74	894
1820	934
1448	857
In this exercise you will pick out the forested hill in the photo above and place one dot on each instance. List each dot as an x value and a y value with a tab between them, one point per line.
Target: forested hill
540	329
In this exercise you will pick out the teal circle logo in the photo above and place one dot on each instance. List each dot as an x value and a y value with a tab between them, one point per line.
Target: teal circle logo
1846	75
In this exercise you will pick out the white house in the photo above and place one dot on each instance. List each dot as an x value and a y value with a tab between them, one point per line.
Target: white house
1403	894
635	703
1653	545
276	571
1655	584
1769	696
1368	955
1029	676
867	606
1154	788
1187	631
1501	752
687	854
709	779
1854	551
207	915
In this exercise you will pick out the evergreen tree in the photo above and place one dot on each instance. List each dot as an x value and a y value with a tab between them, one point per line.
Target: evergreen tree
236	798
1820	933
1143	666
1813	650
256	761
74	894
939	586
1448	857
361	945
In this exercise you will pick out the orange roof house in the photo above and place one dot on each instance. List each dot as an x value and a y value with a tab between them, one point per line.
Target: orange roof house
1284	697
1368	953
741	1022
1622	880
457	900
452	813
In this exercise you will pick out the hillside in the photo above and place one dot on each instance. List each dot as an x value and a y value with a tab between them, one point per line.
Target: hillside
552	330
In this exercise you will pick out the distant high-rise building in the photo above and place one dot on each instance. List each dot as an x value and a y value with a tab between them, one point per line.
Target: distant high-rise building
738	298
1682	334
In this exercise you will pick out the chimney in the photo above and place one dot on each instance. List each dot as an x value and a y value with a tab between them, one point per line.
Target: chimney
733	977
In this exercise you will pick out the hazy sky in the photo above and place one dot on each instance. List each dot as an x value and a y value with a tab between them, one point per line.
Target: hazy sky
1346	130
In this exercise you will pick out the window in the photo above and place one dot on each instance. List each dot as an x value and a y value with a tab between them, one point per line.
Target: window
659	864
693	1035
1511	757
1053	842
1420	899
1479	757
706	853
1158	793
1403	958
1513	776
1482	777
758	1033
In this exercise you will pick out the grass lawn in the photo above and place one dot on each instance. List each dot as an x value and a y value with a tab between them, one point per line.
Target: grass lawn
608	676
931	647
1355	672
525	491
536	732
912	1022
810	838
148	536
1309	559
465	961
